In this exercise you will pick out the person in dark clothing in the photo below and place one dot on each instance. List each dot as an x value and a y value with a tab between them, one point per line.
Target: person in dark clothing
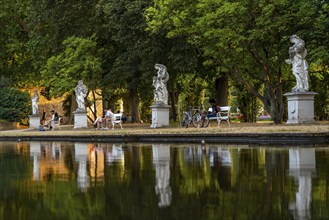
214	109
50	123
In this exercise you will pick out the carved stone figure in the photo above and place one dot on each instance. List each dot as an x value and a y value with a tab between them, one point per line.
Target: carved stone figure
160	85
81	93
297	54
35	101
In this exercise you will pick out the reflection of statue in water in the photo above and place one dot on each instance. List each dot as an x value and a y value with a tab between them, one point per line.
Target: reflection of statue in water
160	85
81	93
35	101
297	54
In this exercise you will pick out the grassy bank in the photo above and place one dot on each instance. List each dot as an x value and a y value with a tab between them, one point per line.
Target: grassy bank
128	128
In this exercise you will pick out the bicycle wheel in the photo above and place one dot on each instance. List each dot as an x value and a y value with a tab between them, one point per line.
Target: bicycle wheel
184	121
200	121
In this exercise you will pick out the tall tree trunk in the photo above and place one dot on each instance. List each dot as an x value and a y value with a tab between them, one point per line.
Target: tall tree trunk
222	90
74	106
173	97
134	105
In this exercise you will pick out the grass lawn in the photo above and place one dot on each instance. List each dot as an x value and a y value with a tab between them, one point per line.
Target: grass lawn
136	128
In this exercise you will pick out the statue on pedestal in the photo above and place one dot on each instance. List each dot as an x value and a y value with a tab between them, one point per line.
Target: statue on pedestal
160	85
81	93
297	54
35	101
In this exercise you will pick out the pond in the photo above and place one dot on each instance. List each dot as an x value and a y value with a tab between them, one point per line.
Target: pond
64	180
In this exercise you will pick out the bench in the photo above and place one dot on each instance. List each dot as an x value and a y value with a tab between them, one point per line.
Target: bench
56	124
222	115
116	119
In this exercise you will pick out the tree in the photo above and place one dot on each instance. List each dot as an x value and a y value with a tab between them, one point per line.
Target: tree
78	61
15	104
247	39
15	59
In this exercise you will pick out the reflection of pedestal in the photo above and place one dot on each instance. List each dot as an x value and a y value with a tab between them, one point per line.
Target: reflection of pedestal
80	119
81	156
160	116
35	152
302	166
161	160
34	121
300	107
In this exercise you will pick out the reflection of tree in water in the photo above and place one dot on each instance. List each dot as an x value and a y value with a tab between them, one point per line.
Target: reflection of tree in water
222	166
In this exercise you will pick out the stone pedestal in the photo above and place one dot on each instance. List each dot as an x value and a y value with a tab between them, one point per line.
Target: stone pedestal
300	107
160	116
80	120
34	121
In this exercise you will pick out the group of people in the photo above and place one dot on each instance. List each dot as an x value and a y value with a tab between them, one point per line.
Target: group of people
49	124
102	122
98	123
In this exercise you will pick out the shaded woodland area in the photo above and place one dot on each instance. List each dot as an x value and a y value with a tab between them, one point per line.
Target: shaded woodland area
232	51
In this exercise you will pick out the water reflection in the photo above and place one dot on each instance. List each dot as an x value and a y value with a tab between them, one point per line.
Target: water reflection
115	154
81	157
161	160
302	167
162	181
35	152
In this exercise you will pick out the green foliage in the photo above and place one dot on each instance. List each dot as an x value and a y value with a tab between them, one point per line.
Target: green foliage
15	60
15	104
192	91
78	60
248	39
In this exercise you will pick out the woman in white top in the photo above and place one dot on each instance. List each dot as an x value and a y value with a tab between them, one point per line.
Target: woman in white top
104	121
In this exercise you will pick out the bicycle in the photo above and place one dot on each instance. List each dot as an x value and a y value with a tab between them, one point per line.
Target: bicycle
198	120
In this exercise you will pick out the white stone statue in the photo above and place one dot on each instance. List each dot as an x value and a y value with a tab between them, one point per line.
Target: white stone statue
160	85
297	54
35	101
81	93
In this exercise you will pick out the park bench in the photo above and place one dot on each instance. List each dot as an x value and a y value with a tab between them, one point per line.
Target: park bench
222	115
57	124
116	119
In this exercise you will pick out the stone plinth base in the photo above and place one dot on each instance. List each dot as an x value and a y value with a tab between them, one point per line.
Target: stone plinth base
34	121
160	116
300	107
80	120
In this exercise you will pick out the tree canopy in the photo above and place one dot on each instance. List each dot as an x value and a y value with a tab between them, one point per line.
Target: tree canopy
112	45
249	39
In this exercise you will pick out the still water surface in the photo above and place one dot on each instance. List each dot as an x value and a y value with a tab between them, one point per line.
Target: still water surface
62	180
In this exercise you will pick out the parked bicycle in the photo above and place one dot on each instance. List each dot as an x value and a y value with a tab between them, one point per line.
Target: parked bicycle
198	119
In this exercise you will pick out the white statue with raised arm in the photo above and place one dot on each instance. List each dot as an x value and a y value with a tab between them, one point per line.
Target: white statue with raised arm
81	93
297	54
35	101
160	85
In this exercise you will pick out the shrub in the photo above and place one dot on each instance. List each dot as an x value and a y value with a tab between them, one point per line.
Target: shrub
15	105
